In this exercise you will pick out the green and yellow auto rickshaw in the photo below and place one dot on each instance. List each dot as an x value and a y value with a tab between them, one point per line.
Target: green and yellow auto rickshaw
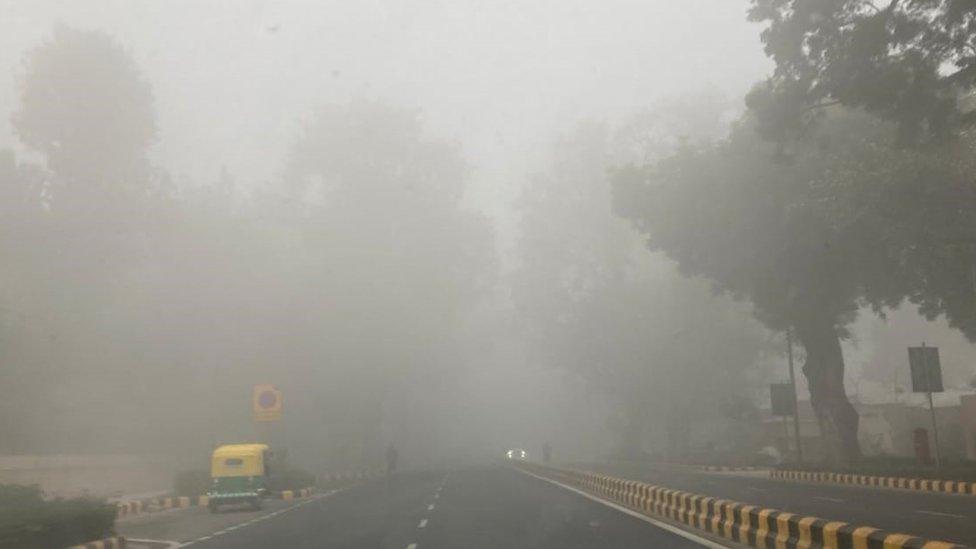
240	474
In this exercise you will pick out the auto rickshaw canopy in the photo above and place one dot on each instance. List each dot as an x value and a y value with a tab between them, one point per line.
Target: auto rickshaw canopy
238	460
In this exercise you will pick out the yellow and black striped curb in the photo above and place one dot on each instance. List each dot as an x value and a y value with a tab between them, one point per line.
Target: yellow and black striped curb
117	542
289	495
125	508
134	507
918	484
747	524
178	502
347	476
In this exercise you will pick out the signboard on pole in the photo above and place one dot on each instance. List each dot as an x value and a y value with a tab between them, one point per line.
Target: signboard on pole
266	403
926	370
927	378
781	397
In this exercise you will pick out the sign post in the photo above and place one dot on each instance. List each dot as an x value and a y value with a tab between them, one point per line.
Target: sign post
265	403
927	378
796	405
781	397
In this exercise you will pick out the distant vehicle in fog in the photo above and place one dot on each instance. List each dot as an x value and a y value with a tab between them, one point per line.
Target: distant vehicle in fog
239	473
516	453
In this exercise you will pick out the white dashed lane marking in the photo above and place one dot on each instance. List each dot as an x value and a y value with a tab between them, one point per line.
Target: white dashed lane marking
430	507
412	546
832	500
312	499
423	524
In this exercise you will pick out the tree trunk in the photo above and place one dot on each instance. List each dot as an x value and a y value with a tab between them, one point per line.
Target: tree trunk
824	371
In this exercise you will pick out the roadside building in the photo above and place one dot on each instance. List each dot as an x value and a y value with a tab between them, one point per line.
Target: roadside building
885	428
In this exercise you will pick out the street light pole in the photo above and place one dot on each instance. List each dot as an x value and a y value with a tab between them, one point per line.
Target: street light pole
796	407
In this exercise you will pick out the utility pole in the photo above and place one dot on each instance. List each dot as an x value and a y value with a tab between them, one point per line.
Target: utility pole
796	406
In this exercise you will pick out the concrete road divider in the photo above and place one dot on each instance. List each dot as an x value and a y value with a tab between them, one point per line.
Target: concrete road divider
289	495
117	542
346	476
746	524
730	468
919	484
127	508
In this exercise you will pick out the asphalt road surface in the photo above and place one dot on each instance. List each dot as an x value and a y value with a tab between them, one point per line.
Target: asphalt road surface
489	507
943	517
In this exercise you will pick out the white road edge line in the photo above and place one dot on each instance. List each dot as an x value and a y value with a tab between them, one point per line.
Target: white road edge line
663	525
423	523
940	514
262	517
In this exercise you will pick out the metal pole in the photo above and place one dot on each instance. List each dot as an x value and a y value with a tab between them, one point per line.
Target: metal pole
928	390
796	407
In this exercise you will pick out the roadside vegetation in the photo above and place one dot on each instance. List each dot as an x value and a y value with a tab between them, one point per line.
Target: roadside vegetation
28	520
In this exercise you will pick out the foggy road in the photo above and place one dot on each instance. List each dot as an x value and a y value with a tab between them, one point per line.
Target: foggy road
255	247
932	515
490	507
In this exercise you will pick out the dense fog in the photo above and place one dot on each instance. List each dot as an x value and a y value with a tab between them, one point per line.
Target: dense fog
451	227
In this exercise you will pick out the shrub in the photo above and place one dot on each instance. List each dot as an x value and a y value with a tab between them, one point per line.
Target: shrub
191	483
27	520
290	479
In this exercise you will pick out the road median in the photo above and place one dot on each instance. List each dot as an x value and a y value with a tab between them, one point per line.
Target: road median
135	507
734	521
900	483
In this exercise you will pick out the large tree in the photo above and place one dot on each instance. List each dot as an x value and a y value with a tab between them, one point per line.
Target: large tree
845	222
73	224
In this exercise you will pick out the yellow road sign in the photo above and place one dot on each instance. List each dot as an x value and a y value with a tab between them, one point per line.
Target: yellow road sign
266	403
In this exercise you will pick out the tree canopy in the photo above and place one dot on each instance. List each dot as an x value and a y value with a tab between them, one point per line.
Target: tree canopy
904	61
86	107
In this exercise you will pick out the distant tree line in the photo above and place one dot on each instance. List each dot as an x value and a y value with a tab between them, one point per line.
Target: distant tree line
137	312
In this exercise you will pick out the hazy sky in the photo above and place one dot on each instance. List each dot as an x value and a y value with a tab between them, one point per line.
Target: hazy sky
233	80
